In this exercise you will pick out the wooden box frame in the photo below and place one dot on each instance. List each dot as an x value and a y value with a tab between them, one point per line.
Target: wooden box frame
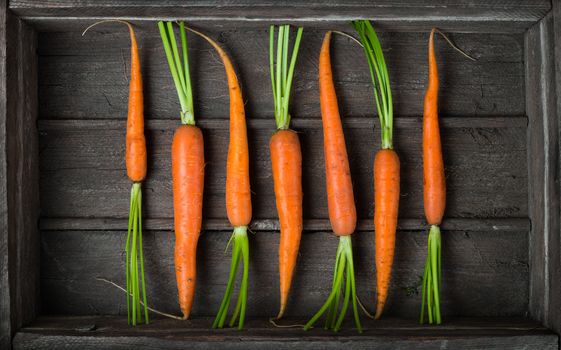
20	21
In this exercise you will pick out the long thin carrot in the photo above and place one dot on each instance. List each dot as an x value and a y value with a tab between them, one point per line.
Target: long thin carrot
286	159
136	171
386	165
434	189
340	199
188	171
238	194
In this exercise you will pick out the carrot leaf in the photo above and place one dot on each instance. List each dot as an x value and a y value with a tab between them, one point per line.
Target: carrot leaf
431	278
282	71
134	260
380	78
344	268
240	253
179	68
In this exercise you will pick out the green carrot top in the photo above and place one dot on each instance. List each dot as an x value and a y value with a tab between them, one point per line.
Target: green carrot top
380	79
281	78
179	68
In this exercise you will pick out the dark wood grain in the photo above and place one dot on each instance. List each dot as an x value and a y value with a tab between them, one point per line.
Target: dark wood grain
19	208
6	329
451	224
86	77
543	165
467	15
484	273
555	242
83	172
96	332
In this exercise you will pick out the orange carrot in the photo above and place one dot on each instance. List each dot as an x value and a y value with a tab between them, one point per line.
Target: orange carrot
340	199
238	194
286	159
188	164
135	158
434	195
386	165
433	164
188	174
386	198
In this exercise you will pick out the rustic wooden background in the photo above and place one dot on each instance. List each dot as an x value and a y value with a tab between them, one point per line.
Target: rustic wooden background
84	192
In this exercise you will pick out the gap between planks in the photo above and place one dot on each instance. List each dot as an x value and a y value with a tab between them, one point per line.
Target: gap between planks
166	224
223	123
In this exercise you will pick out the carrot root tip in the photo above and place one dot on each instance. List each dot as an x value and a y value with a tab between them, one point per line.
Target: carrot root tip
432	278
240	252
344	267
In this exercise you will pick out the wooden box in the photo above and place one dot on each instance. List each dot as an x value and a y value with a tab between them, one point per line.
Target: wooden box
64	193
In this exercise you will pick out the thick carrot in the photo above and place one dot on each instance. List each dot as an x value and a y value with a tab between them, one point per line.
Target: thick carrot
286	160
188	164
135	159
238	194
187	159
340	198
434	188
386	165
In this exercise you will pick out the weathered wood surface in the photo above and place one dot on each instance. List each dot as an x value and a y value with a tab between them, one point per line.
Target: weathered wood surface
104	332
484	273
86	77
6	328
555	243
406	224
19	180
83	172
543	165
467	15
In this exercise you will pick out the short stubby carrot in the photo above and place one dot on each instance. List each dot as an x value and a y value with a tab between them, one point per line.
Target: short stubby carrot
188	164
340	200
386	165
286	160
136	163
238	193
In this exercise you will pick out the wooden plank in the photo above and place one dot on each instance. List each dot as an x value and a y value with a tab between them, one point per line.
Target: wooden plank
555	240
484	273
6	329
109	332
301	123
468	15
543	165
83	172
86	77
451	224
19	206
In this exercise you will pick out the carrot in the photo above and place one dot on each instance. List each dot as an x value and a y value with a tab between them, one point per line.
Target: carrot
188	164
135	159
238	194
434	189
286	160
386	165
340	199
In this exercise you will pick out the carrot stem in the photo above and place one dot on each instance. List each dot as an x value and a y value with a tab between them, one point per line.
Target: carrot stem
179	71
380	79
281	79
240	252
134	258
432	278
343	266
